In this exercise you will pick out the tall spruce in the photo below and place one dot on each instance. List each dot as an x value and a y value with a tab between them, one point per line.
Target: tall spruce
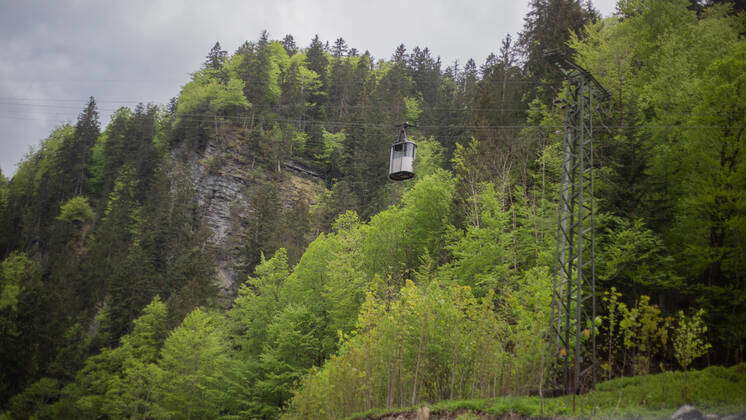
216	57
289	44
548	26
75	152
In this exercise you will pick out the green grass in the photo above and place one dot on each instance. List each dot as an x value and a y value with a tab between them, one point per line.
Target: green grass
715	390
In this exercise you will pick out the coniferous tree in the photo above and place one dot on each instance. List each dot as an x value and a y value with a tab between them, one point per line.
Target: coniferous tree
289	44
293	97
340	48
216	57
340	82
5	228
361	83
317	62
548	26
76	151
116	148
425	72
468	86
256	71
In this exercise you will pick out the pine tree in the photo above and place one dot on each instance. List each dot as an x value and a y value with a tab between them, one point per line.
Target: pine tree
289	44
75	152
547	26
318	63
340	48
216	57
116	149
340	82
317	60
400	55
468	84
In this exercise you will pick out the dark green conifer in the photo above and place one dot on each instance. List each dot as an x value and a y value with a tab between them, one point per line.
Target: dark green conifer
289	44
216	57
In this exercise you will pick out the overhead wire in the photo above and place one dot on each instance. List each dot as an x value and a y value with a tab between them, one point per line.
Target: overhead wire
362	124
20	105
280	106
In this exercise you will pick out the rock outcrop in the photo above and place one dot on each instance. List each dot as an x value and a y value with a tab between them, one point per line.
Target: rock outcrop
223	175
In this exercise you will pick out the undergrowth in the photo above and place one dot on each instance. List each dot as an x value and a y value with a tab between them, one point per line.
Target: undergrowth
716	390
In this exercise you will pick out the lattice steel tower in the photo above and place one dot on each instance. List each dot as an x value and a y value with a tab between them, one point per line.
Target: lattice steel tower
574	288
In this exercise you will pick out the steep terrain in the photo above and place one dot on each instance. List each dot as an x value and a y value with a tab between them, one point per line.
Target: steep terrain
224	176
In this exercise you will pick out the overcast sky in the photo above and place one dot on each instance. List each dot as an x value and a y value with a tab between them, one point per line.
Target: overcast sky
55	54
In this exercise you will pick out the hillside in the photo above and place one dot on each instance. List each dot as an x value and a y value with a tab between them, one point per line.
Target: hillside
241	253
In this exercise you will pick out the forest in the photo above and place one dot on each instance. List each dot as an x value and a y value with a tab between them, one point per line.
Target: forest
372	294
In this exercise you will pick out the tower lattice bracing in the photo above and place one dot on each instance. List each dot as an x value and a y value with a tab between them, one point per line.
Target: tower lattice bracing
574	288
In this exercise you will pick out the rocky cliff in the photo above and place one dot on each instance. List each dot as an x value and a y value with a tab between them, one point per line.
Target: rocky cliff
224	175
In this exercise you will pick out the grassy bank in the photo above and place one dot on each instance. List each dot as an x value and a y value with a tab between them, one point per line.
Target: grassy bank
716	390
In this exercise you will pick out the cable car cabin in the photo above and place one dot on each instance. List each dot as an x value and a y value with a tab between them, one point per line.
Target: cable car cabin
401	163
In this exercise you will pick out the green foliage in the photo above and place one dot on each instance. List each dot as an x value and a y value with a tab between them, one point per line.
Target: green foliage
76	210
35	398
333	146
279	63
636	258
689	338
98	164
397	238
525	307
194	362
716	389
435	342
120	382
16	273
430	157
35	191
115	383
413	108
482	254
470	179
216	57
205	93
645	332
75	152
612	331
677	83
504	243
638	333
708	214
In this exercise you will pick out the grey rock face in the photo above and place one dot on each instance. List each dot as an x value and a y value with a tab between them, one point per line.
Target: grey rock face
216	194
222	177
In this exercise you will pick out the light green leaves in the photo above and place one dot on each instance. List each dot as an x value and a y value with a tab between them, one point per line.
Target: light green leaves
16	272
216	91
689	340
194	361
76	210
